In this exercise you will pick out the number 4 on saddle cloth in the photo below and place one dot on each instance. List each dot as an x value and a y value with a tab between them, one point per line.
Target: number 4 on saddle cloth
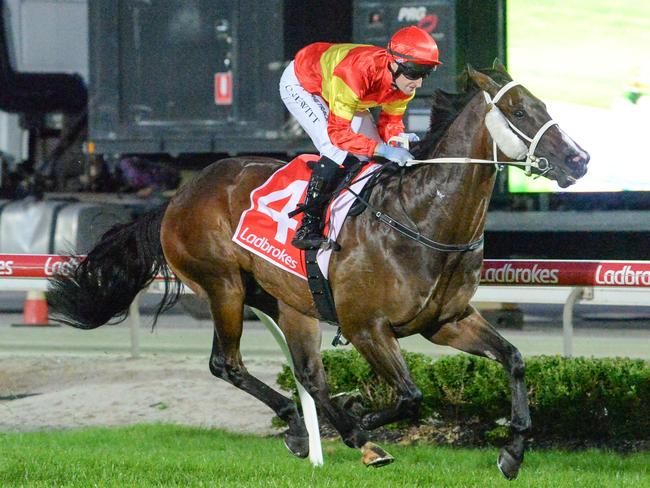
266	229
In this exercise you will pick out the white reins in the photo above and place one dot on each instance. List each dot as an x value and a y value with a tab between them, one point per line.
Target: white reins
531	160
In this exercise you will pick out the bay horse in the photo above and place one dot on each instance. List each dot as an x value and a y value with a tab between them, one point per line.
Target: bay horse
385	285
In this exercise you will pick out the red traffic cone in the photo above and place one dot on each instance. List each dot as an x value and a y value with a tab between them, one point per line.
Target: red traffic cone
35	311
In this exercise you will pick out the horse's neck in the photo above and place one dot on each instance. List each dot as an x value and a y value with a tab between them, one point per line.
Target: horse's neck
454	197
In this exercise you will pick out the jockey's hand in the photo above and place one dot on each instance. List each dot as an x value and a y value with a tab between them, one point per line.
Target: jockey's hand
410	136
395	154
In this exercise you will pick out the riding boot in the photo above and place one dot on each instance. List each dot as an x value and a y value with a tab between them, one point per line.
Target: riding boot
310	233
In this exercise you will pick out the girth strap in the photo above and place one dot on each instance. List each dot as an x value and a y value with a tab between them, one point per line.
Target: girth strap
322	293
320	288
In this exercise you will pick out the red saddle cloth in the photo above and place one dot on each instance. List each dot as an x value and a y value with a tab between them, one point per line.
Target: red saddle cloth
266	228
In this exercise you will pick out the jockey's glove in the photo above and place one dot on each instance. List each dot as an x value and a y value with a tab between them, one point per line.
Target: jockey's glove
410	136
395	154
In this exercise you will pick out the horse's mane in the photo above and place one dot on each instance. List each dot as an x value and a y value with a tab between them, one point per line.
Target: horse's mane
447	106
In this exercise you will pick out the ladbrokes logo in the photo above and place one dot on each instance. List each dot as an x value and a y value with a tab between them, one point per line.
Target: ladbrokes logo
263	245
6	268
528	276
624	276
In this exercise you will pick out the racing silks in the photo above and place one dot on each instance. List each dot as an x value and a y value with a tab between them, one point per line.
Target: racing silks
352	78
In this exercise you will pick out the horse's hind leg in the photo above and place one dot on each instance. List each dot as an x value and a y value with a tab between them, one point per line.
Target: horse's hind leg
303	336
227	304
473	334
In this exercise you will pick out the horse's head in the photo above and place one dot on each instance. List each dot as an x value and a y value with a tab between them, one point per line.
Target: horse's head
523	129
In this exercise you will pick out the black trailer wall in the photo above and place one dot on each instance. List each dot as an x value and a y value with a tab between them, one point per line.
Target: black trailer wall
200	76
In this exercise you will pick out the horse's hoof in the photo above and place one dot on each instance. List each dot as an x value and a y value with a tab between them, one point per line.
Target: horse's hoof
297	445
375	456
508	464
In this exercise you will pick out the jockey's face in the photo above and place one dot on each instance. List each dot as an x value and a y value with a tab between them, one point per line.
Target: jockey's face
404	84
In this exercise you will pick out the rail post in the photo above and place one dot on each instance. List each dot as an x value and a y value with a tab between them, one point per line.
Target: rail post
567	319
134	326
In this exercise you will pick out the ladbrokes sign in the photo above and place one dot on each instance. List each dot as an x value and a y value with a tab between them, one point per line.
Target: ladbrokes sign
34	265
566	273
623	275
509	274
6	267
495	272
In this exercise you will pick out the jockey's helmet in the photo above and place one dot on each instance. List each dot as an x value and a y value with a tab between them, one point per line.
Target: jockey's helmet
414	51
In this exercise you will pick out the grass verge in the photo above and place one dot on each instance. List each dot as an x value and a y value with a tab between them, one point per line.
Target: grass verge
164	455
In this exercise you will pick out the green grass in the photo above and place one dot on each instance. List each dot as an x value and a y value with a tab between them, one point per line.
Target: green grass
580	51
158	455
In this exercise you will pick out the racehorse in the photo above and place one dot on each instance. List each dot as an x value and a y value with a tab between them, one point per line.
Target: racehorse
385	284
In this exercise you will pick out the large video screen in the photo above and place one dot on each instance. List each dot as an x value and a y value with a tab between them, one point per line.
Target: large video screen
617	139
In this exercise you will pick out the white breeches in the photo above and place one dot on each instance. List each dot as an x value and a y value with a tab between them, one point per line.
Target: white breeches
312	111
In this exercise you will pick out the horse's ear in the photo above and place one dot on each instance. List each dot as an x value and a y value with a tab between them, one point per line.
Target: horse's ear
483	81
497	65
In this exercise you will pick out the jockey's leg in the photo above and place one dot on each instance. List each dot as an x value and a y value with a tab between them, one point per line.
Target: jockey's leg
364	123
323	178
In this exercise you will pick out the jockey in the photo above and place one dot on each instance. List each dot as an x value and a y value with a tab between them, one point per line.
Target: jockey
329	88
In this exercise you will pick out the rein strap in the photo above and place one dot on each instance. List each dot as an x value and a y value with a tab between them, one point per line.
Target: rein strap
417	236
425	241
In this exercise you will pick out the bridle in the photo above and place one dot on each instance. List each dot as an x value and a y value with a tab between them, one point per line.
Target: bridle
541	164
531	160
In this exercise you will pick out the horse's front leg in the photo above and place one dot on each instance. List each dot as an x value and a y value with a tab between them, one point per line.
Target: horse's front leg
474	334
378	345
303	336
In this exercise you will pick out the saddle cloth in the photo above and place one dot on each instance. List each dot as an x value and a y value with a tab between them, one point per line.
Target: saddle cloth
266	229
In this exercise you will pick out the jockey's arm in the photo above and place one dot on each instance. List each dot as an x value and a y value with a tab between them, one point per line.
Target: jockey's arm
341	134
391	121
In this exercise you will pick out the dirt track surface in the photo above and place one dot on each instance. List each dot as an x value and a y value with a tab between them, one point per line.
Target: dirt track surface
60	377
77	391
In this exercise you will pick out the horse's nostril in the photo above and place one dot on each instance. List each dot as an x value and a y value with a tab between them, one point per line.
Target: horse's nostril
577	160
578	163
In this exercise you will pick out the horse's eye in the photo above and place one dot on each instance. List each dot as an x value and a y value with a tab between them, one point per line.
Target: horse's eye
519	113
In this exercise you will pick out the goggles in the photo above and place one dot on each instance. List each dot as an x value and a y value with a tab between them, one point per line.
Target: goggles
414	71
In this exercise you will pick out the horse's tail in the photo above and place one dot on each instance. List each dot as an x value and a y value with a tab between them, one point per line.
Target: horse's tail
101	287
